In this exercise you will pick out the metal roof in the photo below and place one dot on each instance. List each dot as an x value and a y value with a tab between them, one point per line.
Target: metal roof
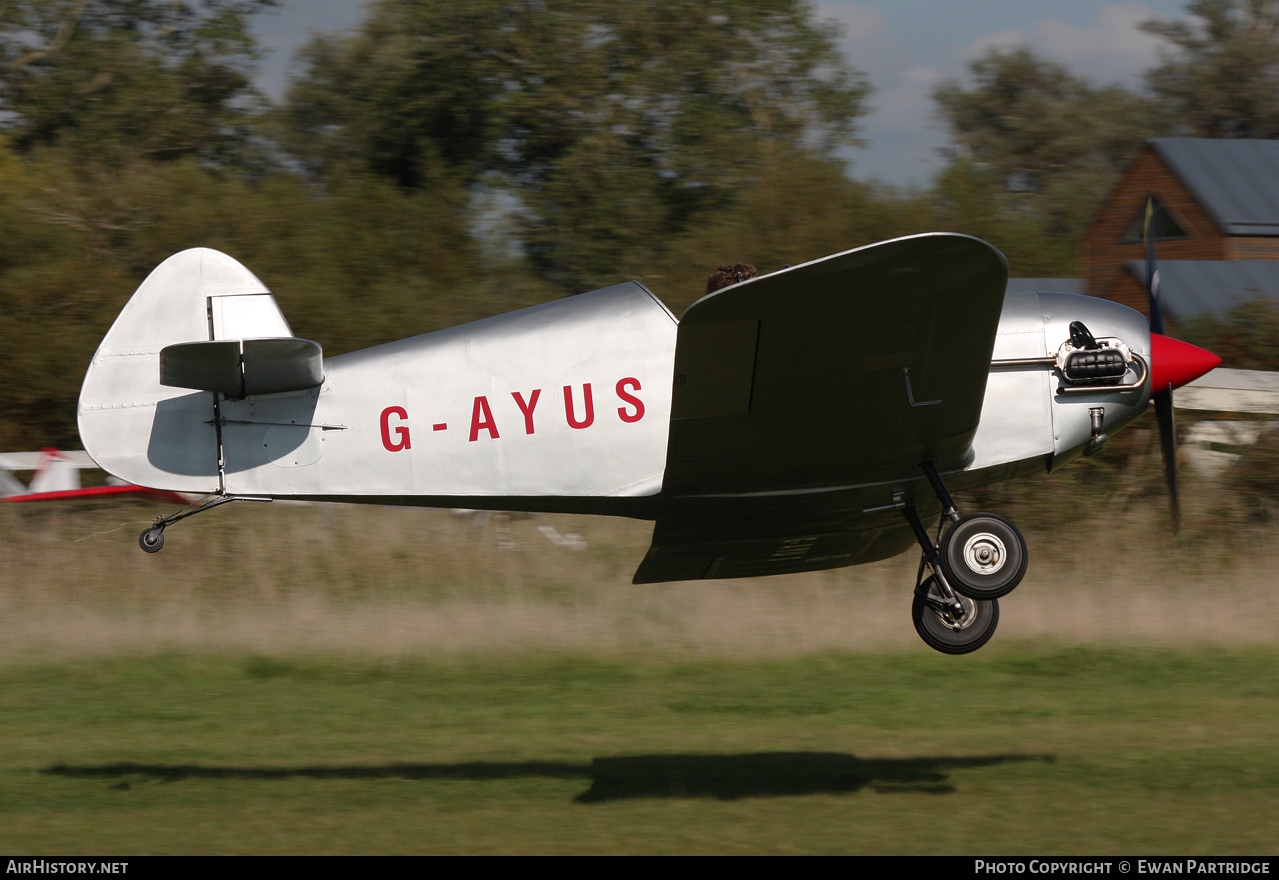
1045	285
1194	287
1236	180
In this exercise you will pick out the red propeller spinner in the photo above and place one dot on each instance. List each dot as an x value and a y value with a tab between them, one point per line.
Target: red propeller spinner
1173	363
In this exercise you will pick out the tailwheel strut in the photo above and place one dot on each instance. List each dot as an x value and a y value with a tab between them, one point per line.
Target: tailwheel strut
152	538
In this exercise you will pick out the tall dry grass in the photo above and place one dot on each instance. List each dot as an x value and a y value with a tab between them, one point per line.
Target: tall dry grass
381	582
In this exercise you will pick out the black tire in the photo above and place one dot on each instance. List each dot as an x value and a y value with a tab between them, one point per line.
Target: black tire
983	556
152	539
938	631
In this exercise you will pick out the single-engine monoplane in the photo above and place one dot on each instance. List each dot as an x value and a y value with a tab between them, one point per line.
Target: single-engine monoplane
812	418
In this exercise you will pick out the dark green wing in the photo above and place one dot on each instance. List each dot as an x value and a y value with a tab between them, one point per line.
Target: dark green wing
837	371
794	389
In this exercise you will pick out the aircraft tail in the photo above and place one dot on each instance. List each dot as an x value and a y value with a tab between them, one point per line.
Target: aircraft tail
55	473
147	410
52	471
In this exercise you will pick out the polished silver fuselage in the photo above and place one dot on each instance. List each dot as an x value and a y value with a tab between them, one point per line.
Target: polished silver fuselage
567	406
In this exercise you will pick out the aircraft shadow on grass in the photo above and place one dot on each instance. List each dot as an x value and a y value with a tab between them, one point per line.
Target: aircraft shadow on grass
723	777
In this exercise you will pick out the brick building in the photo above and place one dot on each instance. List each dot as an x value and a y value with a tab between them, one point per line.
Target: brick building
1216	224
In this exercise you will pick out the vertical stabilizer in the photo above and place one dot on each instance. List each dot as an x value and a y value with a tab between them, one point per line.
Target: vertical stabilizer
55	473
155	435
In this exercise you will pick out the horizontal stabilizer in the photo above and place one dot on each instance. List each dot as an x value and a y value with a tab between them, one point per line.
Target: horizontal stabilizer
204	366
238	368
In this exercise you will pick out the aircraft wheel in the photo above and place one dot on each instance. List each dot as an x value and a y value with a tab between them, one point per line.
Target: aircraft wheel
983	556
152	539
941	631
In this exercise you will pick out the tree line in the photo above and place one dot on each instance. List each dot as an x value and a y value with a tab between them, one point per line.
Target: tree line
444	162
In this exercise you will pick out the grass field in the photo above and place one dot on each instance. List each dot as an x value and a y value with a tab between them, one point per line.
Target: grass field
1074	750
346	680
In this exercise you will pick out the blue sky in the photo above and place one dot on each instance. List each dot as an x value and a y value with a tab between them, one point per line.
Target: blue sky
906	47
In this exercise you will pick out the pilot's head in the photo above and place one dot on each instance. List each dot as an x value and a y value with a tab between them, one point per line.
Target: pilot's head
726	275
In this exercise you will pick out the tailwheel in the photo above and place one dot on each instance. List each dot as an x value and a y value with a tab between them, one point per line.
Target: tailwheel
152	539
983	556
945	630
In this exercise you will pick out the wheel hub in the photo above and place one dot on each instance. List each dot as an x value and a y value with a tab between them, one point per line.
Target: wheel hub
985	554
959	622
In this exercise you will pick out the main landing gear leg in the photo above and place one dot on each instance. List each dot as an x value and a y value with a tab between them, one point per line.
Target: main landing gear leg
947	598
979	559
152	538
945	619
983	556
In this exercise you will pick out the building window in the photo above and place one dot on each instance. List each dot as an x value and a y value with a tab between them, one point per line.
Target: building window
1163	227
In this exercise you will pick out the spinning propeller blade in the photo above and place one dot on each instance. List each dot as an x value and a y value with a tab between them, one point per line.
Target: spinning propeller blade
1173	364
1168	446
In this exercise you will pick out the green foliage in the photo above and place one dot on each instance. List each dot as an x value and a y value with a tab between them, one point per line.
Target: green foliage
971	198
360	264
1253	481
115	81
1221	78
614	124
801	208
1247	339
1038	147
